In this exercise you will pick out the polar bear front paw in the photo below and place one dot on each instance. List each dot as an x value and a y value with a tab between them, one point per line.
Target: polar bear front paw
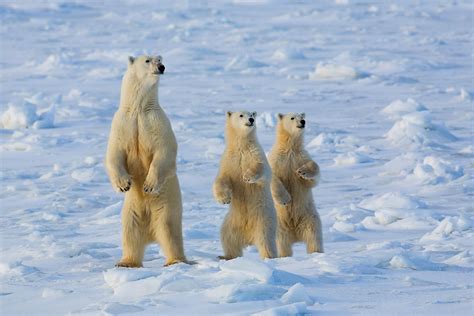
250	177
123	184
223	198
304	173
151	187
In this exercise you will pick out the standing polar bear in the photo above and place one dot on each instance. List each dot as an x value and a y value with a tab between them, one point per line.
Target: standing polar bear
294	174
244	180
141	161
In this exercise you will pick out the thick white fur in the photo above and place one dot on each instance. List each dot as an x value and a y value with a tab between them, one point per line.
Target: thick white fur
294	175
141	161
244	180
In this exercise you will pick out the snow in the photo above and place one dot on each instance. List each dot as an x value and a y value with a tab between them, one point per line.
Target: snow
333	72
387	91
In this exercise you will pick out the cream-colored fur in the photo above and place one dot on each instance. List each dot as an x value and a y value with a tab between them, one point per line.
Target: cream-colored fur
294	175
244	181
141	161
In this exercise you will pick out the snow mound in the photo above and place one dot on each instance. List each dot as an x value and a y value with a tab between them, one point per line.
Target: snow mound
334	72
285	54
26	115
449	226
392	200
433	170
464	95
395	209
418	128
398	108
16	269
83	175
266	119
115	277
348	220
404	261
351	158
54	293
332	140
243	63
463	259
467	150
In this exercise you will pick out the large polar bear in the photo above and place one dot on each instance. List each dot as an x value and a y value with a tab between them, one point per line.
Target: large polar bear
244	180
141	161
294	174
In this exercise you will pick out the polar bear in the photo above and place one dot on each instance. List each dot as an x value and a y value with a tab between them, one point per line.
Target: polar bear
141	161
294	175
244	181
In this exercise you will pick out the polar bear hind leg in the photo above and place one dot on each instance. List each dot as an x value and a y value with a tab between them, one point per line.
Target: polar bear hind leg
311	234
165	225
133	240
232	240
284	242
265	239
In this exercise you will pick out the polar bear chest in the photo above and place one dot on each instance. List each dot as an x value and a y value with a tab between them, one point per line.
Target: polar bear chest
146	132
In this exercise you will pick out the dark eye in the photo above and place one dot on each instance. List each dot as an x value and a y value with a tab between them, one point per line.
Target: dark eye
147	61
241	115
292	118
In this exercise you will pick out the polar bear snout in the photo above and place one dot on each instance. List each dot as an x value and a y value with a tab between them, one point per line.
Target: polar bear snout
302	124
161	68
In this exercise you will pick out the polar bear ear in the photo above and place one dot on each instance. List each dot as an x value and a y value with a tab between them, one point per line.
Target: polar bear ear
131	59
303	115
254	114
280	116
229	113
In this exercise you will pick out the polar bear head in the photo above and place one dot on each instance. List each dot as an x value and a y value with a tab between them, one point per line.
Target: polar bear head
243	122
292	123
147	69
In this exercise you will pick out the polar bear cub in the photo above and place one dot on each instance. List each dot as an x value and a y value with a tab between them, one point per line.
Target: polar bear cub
294	175
244	181
141	161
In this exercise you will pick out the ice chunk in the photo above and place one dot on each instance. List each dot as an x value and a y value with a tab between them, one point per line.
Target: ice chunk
297	293
447	227
434	170
247	267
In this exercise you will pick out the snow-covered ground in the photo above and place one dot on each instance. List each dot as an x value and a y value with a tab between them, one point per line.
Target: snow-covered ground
387	89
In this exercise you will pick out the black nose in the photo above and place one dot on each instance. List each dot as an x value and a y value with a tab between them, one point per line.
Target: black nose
251	120
303	122
161	68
